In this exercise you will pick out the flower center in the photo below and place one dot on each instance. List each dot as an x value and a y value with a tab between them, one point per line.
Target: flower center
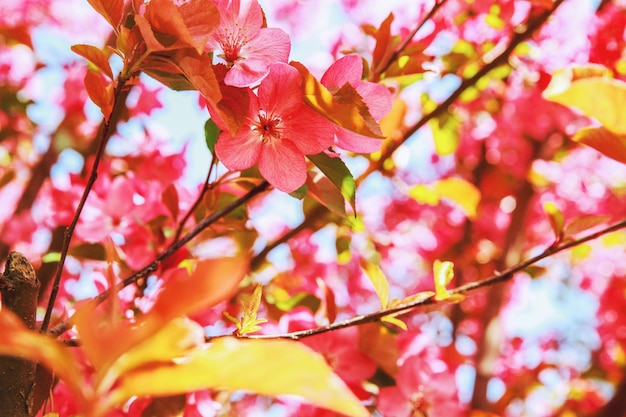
232	40
269	127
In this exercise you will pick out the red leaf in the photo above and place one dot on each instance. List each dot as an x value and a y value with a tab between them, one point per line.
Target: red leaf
100	92
111	10
96	56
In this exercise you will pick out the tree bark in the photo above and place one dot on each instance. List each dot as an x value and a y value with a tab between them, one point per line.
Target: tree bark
19	288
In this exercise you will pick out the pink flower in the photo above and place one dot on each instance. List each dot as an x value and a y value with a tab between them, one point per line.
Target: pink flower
421	390
349	69
248	48
279	130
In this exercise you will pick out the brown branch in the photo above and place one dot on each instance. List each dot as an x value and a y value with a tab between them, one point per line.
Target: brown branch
104	133
196	203
154	265
500	277
19	287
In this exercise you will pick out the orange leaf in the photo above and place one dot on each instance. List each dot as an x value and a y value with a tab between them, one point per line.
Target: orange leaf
604	141
345	107
96	56
212	281
100	92
239	364
384	45
18	340
111	10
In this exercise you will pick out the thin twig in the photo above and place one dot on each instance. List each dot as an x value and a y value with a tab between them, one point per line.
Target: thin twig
154	265
196	203
409	38
463	289
104	133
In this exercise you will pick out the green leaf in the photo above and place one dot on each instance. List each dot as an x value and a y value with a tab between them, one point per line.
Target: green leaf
300	193
51	257
242	364
211	133
338	173
378	279
583	223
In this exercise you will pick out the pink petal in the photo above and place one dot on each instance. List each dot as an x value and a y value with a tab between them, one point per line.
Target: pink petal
239	152
283	165
309	131
347	69
280	93
377	97
354	142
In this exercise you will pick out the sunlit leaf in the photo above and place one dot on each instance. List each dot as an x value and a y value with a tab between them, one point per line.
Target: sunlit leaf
96	56
604	141
555	216
462	192
445	134
582	224
111	10
395	321
249	323
600	97
385	45
444	273
378	279
100	92
171	341
322	190
51	257
345	107
234	364
19	341
338	173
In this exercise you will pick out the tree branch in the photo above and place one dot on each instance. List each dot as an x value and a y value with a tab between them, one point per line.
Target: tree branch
19	287
104	133
497	278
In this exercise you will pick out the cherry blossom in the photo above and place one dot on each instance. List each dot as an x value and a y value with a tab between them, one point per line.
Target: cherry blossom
280	129
248	48
349	69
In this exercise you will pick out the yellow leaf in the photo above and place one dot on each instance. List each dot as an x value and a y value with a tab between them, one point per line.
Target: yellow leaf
424	195
395	321
595	96
604	141
378	279
172	341
265	367
443	273
555	217
462	192
445	135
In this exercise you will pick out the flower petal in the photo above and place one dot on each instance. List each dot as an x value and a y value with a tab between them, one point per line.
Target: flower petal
280	93
283	165
377	97
354	142
239	152
347	69
309	131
